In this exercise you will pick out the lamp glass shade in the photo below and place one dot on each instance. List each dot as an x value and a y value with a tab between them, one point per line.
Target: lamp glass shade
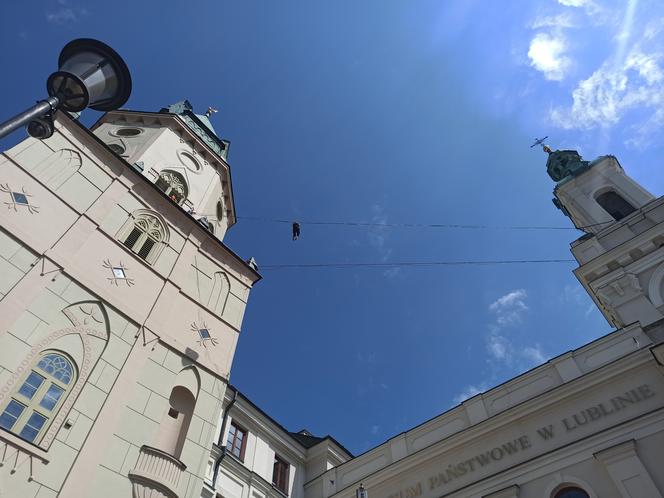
90	74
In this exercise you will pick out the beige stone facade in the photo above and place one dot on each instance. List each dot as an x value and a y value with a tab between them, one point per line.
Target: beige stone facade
119	310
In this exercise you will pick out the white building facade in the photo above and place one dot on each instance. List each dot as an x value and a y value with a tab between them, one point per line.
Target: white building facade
120	306
588	423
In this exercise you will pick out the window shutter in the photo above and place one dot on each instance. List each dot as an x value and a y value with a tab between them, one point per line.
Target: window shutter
131	240
144	251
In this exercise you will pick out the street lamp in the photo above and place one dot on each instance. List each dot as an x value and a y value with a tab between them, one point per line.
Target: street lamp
91	74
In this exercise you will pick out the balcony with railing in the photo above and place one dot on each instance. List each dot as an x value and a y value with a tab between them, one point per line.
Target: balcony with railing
157	474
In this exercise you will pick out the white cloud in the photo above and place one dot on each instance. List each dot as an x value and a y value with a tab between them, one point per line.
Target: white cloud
509	309
502	349
611	91
468	392
66	14
547	55
574	3
558	21
534	355
498	347
589	6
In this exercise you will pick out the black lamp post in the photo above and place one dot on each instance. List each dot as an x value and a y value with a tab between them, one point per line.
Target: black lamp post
91	74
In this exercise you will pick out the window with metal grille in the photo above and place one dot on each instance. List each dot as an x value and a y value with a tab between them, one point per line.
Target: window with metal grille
236	441
173	185
280	474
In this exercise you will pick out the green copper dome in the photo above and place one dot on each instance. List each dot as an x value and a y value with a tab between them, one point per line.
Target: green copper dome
200	124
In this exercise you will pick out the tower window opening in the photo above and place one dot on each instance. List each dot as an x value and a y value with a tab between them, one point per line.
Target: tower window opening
173	185
615	205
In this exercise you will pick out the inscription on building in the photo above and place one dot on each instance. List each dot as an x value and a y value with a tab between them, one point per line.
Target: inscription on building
510	448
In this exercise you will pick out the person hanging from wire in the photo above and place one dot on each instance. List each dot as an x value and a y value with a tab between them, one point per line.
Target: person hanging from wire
296	230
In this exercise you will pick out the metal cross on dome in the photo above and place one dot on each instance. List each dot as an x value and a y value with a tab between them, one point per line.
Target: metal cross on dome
540	141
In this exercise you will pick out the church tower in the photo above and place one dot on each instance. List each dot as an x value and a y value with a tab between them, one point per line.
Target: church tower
120	305
621	256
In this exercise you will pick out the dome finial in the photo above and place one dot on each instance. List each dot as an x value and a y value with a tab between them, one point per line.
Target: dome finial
540	141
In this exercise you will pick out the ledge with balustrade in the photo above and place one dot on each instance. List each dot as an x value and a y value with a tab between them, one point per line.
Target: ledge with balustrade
157	474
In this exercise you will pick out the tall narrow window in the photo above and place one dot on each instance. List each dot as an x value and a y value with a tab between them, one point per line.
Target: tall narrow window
173	185
237	441
31	408
144	235
615	205
280	474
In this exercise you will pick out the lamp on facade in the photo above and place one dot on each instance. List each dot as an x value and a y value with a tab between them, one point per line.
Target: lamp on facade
361	492
91	74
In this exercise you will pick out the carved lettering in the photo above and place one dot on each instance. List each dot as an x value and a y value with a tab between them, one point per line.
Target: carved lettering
546	432
511	448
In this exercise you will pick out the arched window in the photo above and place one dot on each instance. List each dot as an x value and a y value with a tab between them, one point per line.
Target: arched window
615	205
33	406
145	235
571	492
173	185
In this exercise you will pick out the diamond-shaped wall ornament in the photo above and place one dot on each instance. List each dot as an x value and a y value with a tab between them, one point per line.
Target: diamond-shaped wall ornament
204	335
18	199
119	273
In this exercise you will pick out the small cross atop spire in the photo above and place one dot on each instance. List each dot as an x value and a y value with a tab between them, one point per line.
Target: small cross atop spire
540	141
210	111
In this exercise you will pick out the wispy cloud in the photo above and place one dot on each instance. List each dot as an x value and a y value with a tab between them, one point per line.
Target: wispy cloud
508	311
557	21
603	99
547	54
628	81
468	392
65	13
378	239
534	354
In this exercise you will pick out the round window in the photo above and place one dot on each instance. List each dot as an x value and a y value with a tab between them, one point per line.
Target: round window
190	161
117	148
220	211
128	132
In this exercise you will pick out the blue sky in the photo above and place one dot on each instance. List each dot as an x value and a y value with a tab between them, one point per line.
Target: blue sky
390	112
